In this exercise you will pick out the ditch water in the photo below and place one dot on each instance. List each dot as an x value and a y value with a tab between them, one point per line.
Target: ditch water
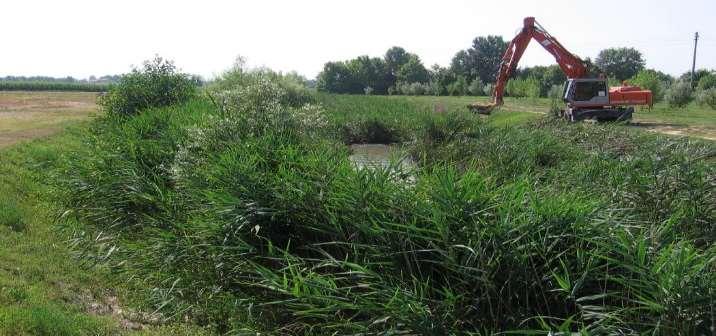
374	156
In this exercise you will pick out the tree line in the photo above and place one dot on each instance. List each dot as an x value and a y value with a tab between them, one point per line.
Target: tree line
472	71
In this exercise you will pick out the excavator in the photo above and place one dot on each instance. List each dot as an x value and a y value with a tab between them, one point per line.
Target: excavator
586	96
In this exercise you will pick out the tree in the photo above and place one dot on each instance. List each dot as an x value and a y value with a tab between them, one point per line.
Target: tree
486	54
462	65
337	78
413	71
686	76
371	72
441	75
395	57
620	63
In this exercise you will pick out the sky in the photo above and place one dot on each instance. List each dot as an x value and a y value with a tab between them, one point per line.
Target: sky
81	38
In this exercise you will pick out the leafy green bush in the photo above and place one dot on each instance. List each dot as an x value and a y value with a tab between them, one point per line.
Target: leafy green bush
528	87
436	89
476	88
678	94
651	80
707	97
458	87
156	84
707	81
555	92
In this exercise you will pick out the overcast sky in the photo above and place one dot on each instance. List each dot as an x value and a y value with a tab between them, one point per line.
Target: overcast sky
83	38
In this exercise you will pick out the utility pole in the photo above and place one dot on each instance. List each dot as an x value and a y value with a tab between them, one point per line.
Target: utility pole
693	65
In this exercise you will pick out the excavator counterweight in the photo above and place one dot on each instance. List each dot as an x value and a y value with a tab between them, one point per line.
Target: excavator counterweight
586	97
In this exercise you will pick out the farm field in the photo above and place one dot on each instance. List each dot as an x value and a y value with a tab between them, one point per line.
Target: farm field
244	218
30	114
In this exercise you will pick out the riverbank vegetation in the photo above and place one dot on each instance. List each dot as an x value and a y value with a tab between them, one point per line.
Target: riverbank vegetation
238	208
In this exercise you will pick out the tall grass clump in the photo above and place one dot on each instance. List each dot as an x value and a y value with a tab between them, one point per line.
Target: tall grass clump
243	211
10	215
156	84
679	94
707	97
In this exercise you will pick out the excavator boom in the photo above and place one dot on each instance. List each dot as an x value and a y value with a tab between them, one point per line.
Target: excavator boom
572	65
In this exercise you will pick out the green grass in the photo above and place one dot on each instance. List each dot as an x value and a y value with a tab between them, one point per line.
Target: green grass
248	217
44	290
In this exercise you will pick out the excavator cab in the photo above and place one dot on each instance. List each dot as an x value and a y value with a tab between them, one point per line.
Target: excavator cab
586	92
591	98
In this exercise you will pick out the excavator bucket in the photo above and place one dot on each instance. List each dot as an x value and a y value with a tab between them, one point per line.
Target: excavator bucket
481	108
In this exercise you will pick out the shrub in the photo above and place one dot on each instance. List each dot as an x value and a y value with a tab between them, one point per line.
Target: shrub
555	92
156	84
649	79
488	88
417	89
707	81
368	90
476	87
458	87
678	94
293	85
436	89
528	87
707	97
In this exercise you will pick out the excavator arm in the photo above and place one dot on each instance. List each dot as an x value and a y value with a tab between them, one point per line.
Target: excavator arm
572	65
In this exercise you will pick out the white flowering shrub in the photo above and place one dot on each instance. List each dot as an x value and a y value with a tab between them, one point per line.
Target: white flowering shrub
251	111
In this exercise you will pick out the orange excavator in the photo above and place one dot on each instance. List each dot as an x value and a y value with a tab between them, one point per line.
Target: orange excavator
585	95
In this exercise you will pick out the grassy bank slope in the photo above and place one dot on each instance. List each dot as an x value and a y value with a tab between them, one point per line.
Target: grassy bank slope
44	289
245	214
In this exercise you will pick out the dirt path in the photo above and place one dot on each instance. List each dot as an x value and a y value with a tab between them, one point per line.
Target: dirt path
30	115
648	124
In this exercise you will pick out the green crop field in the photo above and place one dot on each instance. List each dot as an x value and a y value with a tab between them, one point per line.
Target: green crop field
239	211
52	86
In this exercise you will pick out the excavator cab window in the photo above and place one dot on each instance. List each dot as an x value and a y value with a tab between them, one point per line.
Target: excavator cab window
586	90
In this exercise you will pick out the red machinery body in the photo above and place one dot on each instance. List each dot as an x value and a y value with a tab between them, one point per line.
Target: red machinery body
629	95
585	97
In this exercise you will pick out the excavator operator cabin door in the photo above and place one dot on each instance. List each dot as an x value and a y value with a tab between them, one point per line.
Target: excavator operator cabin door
590	92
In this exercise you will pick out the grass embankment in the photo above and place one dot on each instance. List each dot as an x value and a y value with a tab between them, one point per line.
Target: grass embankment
247	216
44	289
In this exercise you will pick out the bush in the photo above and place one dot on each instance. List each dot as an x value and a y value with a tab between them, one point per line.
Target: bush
458	87
368	90
649	79
436	89
488	88
529	87
707	82
707	97
555	92
476	87
678	94
293	85
157	84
